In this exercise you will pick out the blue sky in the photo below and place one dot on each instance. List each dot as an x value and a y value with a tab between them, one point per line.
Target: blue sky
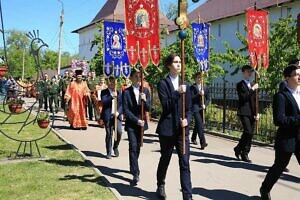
44	15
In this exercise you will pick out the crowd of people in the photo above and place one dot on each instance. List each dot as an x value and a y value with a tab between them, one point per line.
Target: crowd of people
94	98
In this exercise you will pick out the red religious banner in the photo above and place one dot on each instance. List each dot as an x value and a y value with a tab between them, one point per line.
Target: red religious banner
257	23
142	25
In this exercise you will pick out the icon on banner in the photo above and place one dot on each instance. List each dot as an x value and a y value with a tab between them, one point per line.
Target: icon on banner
257	31
116	44
200	41
142	18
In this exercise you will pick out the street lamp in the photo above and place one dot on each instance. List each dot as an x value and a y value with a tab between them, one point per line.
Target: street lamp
60	36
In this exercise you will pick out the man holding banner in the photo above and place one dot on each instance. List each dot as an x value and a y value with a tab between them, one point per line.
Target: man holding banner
132	101
170	125
108	115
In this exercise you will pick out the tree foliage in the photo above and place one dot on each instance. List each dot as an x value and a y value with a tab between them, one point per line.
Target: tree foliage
97	62
18	48
282	48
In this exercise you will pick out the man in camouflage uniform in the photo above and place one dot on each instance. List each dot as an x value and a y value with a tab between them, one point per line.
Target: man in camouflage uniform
53	94
45	91
63	83
39	91
92	81
66	80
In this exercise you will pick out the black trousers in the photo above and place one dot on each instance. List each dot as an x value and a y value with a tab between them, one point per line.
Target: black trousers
90	108
198	128
167	145
244	145
45	101
63	101
109	129
134	138
282	159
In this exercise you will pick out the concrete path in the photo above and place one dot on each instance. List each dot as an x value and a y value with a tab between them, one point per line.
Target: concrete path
216	174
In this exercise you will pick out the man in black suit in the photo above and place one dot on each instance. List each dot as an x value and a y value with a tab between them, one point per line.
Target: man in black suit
286	115
246	112
108	114
197	93
171	125
132	100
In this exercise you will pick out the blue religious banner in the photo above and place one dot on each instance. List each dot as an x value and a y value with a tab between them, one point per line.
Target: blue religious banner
126	70
117	71
115	55
108	69
201	44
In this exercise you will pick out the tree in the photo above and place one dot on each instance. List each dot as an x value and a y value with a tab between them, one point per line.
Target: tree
17	49
96	62
282	48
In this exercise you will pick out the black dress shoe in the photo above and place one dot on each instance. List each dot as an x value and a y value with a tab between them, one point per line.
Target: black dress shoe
245	158
108	156
202	146
194	142
160	192
135	180
264	195
286	170
116	152
237	153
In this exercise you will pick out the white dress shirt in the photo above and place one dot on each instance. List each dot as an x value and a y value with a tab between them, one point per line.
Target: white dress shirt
136	91
296	95
112	102
175	81
248	83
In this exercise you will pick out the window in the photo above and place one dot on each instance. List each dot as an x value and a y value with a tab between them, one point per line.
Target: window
288	12
238	26
219	30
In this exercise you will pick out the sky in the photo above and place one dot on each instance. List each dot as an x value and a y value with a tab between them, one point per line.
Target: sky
44	15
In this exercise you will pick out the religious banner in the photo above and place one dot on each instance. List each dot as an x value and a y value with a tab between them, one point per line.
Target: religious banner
126	70
201	44
257	24
142	27
115	55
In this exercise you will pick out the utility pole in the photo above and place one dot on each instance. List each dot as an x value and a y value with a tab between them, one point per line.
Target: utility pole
23	64
3	36
60	37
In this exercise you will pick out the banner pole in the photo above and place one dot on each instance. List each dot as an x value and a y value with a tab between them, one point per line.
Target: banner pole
142	104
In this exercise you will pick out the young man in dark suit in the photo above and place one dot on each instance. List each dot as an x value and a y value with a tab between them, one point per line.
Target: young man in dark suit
286	115
246	112
132	100
171	125
108	114
197	94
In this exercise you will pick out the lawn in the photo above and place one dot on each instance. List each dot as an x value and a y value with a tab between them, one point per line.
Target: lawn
61	174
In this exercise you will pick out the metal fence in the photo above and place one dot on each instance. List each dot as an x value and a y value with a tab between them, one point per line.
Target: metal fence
221	113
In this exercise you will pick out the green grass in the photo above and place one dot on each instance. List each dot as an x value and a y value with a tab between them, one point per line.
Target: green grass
63	174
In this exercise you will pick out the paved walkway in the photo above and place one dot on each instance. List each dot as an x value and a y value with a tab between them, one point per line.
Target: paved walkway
216	174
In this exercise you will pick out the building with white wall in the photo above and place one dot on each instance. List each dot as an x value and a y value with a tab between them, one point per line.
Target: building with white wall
228	17
113	10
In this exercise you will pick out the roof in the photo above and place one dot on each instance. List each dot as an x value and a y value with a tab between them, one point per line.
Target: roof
115	10
213	10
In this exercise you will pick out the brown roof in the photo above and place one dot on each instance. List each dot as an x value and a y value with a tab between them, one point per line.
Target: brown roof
115	10
213	10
